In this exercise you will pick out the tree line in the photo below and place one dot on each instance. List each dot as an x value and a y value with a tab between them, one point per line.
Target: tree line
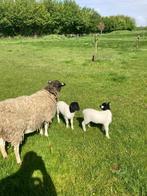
30	17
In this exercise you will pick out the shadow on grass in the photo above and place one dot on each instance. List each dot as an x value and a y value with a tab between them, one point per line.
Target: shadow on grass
25	139
80	119
99	126
24	183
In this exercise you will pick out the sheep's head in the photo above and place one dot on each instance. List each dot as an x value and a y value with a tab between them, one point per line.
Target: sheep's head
74	106
54	86
105	106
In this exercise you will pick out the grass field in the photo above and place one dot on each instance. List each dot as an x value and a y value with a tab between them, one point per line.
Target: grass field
77	163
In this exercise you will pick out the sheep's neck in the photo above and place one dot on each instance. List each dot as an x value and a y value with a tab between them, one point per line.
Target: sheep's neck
52	95
54	99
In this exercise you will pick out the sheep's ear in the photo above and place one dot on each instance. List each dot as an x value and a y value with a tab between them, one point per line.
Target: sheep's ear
49	81
71	108
109	105
63	84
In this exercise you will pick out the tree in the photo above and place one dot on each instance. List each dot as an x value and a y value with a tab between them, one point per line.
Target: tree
120	22
34	17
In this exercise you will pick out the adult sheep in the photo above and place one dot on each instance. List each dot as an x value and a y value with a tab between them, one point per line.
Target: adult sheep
26	114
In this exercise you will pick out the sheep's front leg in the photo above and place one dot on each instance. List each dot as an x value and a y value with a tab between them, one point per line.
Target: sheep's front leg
46	128
84	125
67	123
17	155
71	122
58	118
41	131
106	127
2	148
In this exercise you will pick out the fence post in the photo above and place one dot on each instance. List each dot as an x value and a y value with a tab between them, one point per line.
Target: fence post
95	47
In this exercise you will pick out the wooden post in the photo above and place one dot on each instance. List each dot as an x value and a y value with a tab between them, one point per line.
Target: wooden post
137	41
95	47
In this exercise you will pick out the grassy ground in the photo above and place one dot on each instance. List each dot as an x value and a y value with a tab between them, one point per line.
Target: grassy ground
72	162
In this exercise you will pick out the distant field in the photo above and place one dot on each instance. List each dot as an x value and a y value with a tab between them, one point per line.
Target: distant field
78	163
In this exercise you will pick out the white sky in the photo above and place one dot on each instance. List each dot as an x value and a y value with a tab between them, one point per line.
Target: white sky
134	8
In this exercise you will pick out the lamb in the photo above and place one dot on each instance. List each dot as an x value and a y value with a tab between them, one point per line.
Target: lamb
99	117
26	114
68	112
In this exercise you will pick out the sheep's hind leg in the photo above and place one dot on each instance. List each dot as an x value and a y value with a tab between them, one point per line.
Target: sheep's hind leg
106	127
2	148
46	128
84	125
67	123
17	155
71	122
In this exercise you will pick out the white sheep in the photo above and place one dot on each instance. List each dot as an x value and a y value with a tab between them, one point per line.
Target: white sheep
99	117
68	112
26	114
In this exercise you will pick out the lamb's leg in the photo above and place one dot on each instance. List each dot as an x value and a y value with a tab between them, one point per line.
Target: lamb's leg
84	125
17	155
71	122
2	148
106	127
46	128
67	123
58	118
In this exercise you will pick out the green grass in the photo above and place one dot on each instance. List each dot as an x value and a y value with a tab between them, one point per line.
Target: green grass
74	162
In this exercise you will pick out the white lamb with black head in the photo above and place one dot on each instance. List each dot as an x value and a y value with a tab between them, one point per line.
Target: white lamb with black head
103	117
68	112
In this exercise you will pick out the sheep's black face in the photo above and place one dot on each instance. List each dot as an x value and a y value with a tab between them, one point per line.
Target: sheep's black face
56	84
74	106
105	106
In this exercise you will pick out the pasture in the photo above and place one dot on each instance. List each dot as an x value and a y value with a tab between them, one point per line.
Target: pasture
75	162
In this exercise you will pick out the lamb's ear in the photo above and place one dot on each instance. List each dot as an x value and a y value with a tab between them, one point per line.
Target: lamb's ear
78	107
109	105
71	108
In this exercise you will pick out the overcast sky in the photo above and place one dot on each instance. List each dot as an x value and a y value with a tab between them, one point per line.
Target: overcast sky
134	8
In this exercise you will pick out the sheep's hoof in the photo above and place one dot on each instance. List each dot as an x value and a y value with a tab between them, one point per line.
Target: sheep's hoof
108	137
5	157
46	135
19	163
